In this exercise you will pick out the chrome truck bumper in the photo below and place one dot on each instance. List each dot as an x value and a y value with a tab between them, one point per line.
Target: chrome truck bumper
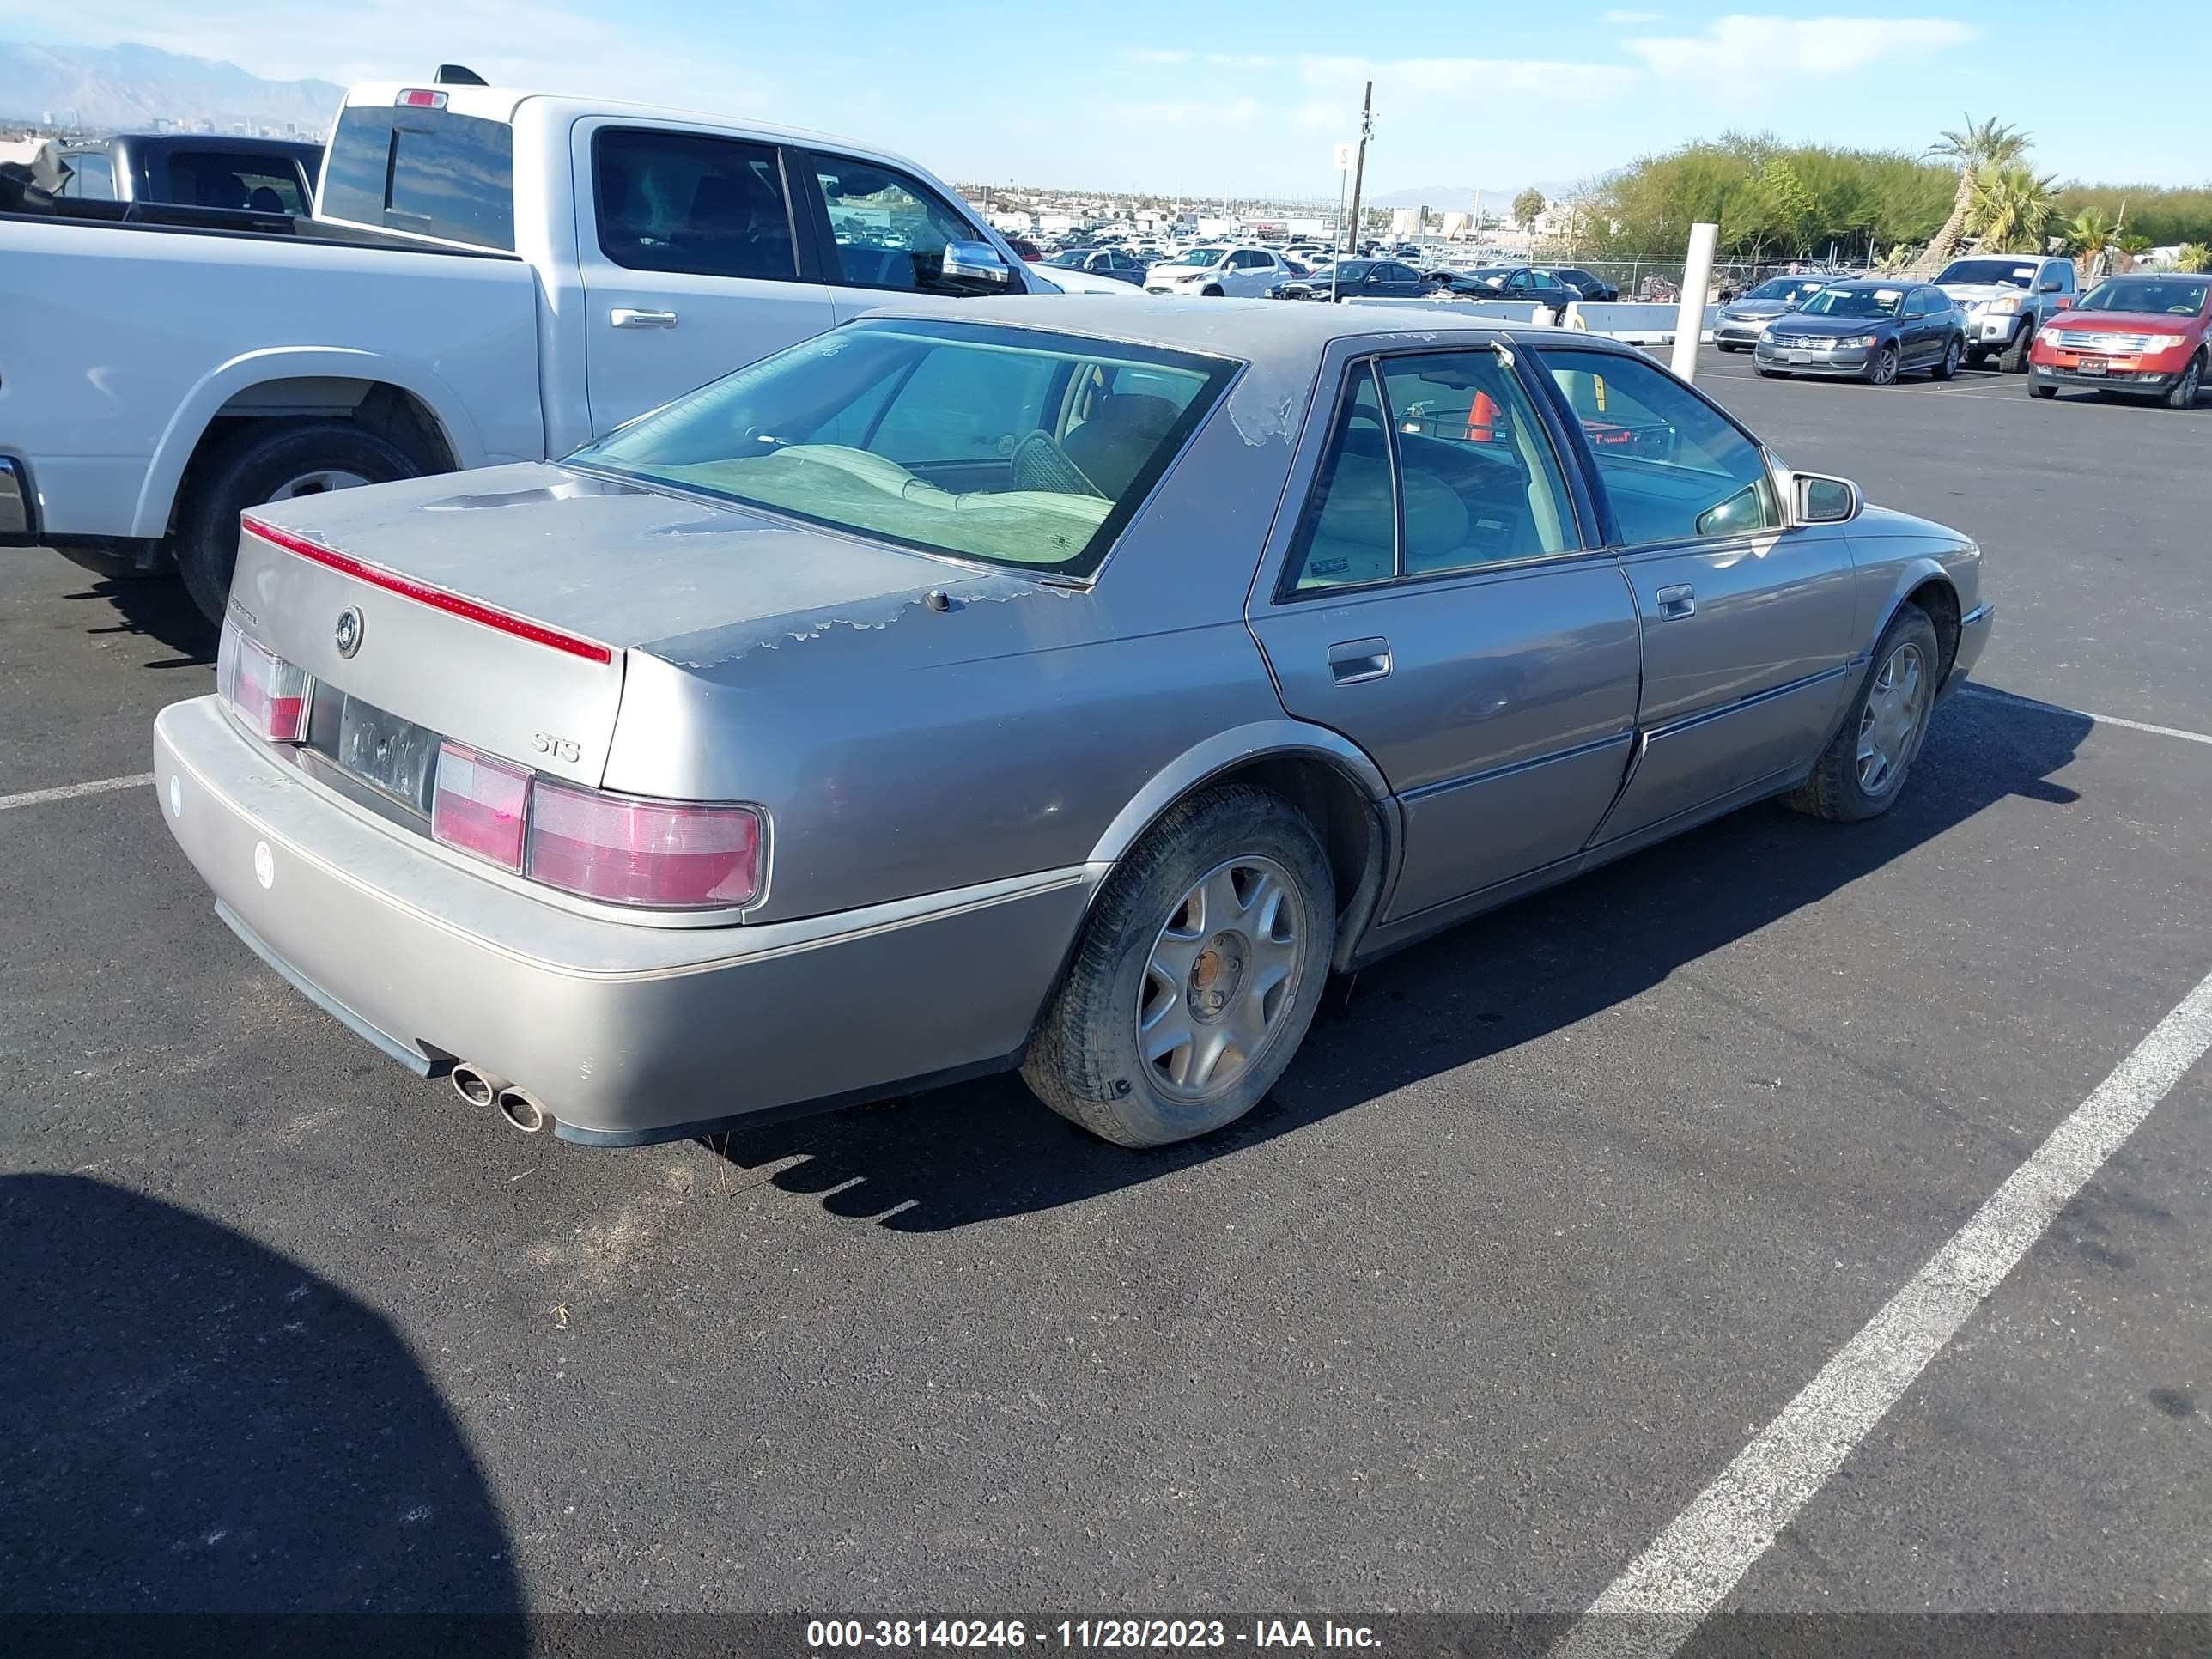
626	1033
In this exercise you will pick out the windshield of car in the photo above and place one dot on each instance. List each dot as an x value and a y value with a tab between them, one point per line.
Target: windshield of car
2011	273
1197	256
1854	302
1785	288
1013	447
2175	297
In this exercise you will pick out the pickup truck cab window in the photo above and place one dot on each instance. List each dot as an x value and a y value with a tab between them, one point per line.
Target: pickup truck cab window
428	171
886	230
211	178
91	176
1458	473
682	201
1675	468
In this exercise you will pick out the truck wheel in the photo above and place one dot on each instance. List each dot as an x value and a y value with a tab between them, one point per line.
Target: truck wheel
1196	977
1861	773
2183	393
2014	361
271	461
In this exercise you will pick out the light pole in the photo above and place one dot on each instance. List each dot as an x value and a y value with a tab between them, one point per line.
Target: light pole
1359	166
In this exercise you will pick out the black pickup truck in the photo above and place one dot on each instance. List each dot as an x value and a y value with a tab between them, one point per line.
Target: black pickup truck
195	169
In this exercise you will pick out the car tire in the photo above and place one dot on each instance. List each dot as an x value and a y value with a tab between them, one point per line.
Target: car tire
1210	291
1976	357
266	461
2014	361
2042	391
1882	371
2182	394
1843	787
1949	368
1164	932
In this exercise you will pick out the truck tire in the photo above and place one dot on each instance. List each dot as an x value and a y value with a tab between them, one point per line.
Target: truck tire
1196	977
2014	361
268	461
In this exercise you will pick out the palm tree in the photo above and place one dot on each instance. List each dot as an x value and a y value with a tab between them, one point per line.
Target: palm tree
1975	145
2193	256
2090	234
2134	248
2012	208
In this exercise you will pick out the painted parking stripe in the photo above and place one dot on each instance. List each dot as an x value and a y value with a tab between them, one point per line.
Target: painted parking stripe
2083	713
71	791
1655	1606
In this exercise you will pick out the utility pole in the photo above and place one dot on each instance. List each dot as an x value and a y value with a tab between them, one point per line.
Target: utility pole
1359	168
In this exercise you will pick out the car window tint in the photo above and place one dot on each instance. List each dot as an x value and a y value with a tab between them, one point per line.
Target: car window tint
1348	533
962	405
423	170
234	180
1915	305
886	231
682	202
91	178
1477	476
1672	466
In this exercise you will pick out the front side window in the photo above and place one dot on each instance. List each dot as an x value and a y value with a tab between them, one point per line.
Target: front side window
1011	446
682	202
887	232
1915	305
1447	469
1674	467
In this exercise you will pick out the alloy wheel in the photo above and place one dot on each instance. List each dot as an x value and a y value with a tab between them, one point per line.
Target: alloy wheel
1890	725
1217	983
1885	366
320	482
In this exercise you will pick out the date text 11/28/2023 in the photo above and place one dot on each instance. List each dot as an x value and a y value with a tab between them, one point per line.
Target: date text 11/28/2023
825	1636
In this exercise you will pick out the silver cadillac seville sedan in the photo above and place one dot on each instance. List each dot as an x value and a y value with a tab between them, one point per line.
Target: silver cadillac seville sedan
1071	690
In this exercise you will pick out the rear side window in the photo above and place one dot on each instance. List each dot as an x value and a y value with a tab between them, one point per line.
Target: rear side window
231	179
91	178
423	170
676	201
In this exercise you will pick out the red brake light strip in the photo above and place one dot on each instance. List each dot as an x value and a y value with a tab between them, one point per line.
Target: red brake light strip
422	593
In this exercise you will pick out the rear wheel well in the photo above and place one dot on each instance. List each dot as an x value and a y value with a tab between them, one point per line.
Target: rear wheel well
1941	601
389	412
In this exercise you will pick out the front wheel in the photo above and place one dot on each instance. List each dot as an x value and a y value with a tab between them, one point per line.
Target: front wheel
2183	393
2015	358
271	461
1949	368
1861	773
1196	977
1882	371
1210	291
2041	390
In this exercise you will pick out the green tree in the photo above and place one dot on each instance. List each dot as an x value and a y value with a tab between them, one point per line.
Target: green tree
2090	234
2012	209
1789	210
1972	148
1528	206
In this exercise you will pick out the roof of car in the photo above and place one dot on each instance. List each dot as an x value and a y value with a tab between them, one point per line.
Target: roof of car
1257	331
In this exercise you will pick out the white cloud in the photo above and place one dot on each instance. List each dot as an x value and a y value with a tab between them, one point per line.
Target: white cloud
1739	49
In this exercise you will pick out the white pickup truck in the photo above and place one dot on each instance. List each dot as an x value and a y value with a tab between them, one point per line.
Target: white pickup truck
490	276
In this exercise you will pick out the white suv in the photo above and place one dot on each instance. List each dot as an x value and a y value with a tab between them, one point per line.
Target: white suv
1216	271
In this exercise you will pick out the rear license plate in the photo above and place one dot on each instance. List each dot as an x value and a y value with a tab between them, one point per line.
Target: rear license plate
387	753
2092	365
1796	356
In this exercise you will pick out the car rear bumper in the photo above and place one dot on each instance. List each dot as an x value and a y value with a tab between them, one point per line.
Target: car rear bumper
626	1033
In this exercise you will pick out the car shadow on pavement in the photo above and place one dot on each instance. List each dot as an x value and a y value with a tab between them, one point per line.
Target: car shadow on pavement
153	608
197	1425
969	1153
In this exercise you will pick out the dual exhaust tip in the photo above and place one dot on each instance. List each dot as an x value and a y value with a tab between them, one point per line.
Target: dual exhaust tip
518	1107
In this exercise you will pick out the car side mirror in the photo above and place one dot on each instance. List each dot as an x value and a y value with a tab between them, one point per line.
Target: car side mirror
1815	498
974	262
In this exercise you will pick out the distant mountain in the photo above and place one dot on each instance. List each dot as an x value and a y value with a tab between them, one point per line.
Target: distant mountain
132	87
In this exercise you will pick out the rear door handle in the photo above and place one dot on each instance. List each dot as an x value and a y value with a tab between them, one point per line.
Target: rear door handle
624	317
1354	660
1676	602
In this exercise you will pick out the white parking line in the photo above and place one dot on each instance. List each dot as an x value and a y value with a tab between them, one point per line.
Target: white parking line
2083	713
1654	1606
71	791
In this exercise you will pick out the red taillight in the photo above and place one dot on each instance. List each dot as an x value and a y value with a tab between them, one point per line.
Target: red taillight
665	855
481	806
420	98
269	693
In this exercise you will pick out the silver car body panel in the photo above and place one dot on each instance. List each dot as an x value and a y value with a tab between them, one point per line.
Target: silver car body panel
949	781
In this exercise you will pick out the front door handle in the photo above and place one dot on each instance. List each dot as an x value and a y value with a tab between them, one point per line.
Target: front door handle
624	317
1676	602
1354	660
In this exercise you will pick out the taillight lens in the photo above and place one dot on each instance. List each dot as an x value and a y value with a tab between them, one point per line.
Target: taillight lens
666	854
481	806
269	693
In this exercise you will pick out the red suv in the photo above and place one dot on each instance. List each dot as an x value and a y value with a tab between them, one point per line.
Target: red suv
2142	334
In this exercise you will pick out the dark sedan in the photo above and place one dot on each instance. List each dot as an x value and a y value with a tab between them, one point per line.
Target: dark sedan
1364	279
1118	263
1867	329
1519	282
1592	286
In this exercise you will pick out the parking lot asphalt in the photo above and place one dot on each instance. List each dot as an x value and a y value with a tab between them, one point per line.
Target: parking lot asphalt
1553	1213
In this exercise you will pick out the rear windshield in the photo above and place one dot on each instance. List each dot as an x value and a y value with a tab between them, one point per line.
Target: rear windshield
1008	446
427	171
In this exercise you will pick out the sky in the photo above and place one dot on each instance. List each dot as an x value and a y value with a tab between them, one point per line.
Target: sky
1247	97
